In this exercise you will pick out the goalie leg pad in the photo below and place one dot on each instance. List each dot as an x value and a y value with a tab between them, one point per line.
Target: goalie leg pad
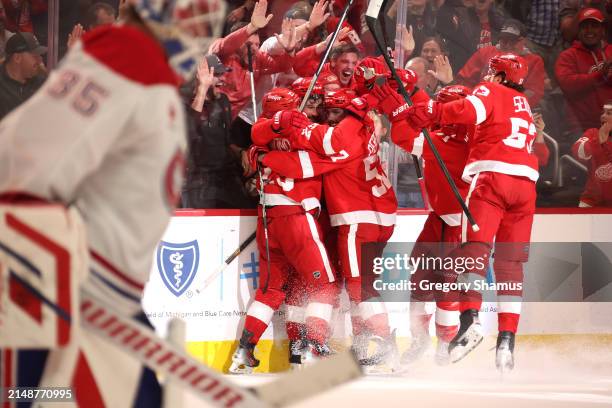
43	261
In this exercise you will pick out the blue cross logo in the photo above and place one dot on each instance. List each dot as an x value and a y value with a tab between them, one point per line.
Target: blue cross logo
253	266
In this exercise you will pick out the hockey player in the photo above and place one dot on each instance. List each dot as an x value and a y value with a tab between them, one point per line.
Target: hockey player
292	237
360	199
443	224
502	171
314	104
104	137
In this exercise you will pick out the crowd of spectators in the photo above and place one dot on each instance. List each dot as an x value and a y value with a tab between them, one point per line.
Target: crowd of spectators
565	42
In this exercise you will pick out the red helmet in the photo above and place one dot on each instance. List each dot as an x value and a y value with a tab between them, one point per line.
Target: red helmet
301	85
278	99
452	93
513	66
340	98
366	72
328	79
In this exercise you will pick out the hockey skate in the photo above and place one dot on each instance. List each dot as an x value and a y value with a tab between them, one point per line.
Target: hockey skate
243	360
314	351
296	351
504	351
442	357
469	336
419	345
385	359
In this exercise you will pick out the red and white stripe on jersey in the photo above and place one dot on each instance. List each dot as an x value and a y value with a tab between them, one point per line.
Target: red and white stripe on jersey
505	132
356	187
107	277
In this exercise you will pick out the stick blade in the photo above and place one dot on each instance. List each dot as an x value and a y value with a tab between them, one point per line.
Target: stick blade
374	8
311	381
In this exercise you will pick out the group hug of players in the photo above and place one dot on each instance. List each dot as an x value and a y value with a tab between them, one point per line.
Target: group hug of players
329	159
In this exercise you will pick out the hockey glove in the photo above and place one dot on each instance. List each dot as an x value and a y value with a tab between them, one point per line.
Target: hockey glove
285	122
423	115
359	107
407	76
389	100
253	155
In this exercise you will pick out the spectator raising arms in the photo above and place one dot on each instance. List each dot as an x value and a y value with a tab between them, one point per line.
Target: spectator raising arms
583	72
232	50
511	40
466	26
595	149
213	177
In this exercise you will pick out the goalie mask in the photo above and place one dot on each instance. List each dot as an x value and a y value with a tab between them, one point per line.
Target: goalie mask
177	23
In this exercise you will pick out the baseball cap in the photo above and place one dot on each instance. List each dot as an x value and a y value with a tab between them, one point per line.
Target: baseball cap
214	62
24	42
513	28
590	14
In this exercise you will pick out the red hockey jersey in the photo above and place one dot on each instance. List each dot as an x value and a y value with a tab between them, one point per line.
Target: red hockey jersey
598	189
452	144
356	187
504	135
280	190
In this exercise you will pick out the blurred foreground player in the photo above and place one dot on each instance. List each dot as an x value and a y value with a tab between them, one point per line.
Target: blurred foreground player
502	171
103	138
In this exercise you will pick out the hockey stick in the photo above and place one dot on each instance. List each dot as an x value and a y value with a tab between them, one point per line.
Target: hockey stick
252	78
176	365
264	218
225	264
371	16
328	48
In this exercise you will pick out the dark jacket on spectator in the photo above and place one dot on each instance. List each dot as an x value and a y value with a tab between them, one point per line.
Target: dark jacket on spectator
584	85
213	177
477	66
459	26
14	93
237	82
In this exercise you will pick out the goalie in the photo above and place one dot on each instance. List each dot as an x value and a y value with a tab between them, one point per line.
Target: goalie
107	145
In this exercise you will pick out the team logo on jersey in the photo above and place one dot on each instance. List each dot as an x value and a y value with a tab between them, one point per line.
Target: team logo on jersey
604	173
178	264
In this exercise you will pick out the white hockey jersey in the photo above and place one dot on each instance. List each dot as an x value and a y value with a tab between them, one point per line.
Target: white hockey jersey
105	133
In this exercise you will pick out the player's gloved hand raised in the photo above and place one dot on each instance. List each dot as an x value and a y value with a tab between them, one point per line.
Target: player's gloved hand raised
423	115
285	122
359	107
408	77
388	100
253	154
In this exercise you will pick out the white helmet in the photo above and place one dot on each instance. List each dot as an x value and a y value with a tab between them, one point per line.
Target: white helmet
185	28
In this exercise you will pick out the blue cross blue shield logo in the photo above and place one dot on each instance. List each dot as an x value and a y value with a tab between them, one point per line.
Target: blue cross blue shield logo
178	264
